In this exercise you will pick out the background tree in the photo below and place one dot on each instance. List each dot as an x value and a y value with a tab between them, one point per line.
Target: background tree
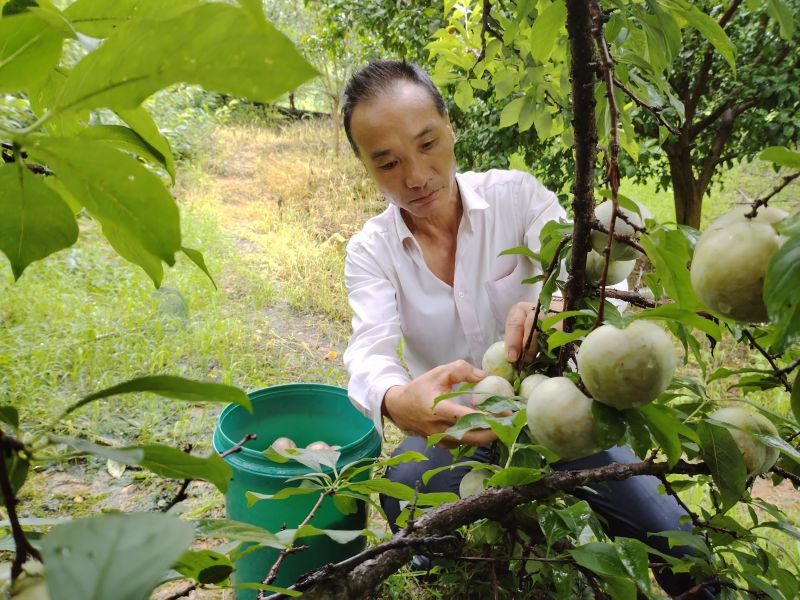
690	105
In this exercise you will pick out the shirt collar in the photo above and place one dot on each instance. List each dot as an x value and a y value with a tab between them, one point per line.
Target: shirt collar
470	200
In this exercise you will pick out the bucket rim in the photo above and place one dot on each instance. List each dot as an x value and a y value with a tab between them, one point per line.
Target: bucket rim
222	441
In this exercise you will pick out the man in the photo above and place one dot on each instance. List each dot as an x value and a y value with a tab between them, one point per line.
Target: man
427	271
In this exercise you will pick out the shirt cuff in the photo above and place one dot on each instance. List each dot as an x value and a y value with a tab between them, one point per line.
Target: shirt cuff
375	398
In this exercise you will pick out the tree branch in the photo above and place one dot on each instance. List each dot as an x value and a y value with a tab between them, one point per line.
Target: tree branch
655	110
385	559
786	180
769	358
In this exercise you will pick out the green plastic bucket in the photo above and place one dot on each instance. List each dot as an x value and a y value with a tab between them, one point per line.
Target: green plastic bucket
305	412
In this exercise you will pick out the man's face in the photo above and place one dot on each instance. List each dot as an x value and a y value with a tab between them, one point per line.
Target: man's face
407	148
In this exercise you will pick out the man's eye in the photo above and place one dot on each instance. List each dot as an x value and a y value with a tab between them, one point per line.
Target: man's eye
428	145
388	166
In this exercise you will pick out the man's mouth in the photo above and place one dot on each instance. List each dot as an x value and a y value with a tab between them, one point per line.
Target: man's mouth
426	197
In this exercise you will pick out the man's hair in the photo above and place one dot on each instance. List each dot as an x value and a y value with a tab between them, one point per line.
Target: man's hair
378	76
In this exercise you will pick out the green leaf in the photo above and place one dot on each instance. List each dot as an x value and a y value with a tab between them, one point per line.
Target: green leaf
708	27
345	504
9	415
282	494
674	312
120	556
313	459
609	423
126	456
30	49
238	531
638	433
204	566
173	387
510	114
123	138
197	258
101	18
142	123
782	293
546	29
514	476
795	399
669	252
781	155
463	95
337	535
666	428
401	492
523	250
559	338
218	46
779	444
778	10
466	423
139	216
171	462
724	460
790	226
36	222
633	556
599	558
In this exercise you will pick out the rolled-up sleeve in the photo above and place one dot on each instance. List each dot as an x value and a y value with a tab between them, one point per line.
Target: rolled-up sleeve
371	357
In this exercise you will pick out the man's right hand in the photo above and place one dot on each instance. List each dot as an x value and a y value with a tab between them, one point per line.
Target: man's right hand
411	408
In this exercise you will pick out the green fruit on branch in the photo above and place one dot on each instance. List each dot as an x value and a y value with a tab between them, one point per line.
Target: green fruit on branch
730	264
619	251
491	385
560	419
758	457
472	483
495	362
283	443
766	214
530	382
627	368
618	270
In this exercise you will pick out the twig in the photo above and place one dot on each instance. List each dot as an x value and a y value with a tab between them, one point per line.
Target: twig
630	298
183	593
23	548
537	310
769	358
607	69
655	110
180	496
788	369
238	446
786	180
625	239
795	479
273	572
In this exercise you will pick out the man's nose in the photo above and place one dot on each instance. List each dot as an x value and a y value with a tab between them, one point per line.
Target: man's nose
415	174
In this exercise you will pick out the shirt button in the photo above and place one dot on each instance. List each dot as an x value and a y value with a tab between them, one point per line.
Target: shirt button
460	294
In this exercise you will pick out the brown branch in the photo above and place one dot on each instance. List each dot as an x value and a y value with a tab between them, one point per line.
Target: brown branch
720	139
795	479
789	368
786	180
273	572
537	310
582	75
769	358
238	447
655	110
701	82
629	297
23	548
180	496
384	559
625	239
612	174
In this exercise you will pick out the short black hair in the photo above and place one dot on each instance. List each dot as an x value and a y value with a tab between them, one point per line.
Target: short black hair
376	77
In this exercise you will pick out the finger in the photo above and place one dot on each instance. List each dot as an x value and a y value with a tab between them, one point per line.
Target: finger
457	372
515	328
450	413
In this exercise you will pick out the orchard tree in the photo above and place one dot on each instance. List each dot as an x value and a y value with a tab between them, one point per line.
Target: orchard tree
698	85
525	532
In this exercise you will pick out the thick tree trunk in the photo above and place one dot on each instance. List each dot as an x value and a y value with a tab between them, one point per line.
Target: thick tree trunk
686	191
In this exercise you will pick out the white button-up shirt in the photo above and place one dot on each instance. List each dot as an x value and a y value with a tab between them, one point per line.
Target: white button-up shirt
394	295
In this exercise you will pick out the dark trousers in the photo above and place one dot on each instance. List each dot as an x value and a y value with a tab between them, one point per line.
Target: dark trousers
631	508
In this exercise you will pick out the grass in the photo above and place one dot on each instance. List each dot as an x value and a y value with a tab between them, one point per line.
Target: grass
271	209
